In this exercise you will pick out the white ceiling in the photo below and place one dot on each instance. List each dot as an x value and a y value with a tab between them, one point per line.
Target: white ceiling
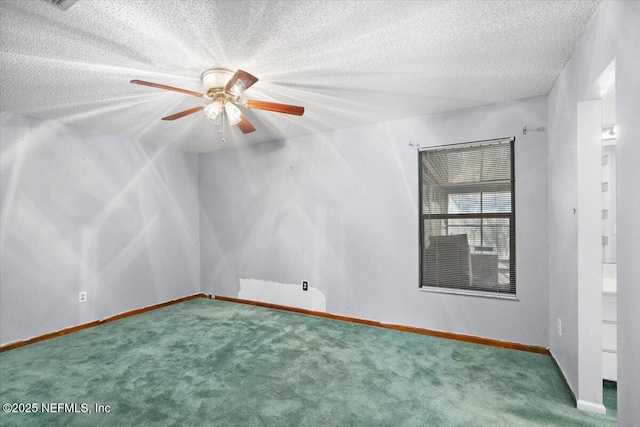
349	63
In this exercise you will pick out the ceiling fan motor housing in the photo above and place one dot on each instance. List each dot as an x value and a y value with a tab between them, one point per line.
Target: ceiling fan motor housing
216	79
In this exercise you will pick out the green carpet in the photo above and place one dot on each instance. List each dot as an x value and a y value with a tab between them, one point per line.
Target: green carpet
208	362
610	397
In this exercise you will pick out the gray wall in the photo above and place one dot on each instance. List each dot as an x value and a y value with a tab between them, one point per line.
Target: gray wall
85	211
341	210
614	32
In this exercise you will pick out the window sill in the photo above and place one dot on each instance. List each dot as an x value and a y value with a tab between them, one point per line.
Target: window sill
469	293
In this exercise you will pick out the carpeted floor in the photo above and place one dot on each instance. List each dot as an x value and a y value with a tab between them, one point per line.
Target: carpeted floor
610	397
207	362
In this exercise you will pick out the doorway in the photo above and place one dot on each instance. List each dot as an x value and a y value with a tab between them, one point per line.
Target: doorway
596	232
609	252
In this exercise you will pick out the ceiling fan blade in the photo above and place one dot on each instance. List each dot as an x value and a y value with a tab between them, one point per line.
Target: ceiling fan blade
184	113
278	108
240	82
245	125
159	86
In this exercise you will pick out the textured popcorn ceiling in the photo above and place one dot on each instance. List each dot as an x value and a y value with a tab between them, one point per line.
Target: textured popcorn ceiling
349	63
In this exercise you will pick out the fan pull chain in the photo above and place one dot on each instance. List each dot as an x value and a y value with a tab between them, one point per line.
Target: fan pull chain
222	119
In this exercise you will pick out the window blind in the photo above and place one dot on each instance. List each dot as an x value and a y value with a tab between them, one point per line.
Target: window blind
467	217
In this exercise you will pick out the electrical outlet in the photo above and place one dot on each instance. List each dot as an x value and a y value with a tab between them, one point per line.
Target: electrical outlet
305	285
82	296
559	326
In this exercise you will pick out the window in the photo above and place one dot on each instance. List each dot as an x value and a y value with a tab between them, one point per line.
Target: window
467	218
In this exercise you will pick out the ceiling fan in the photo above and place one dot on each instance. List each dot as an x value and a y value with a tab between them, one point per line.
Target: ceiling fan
224	88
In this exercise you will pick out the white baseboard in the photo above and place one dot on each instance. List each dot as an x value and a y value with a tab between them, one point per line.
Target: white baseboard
598	408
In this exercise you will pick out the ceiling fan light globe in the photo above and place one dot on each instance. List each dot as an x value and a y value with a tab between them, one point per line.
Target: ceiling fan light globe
213	111
234	115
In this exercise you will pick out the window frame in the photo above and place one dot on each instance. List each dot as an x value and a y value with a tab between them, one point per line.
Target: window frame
511	216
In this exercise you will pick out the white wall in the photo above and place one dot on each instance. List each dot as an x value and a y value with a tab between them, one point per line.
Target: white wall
341	210
614	32
85	211
589	245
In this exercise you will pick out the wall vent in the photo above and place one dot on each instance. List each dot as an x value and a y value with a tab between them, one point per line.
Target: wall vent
62	4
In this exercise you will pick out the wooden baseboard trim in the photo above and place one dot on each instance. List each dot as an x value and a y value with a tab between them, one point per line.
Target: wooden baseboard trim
93	323
422	331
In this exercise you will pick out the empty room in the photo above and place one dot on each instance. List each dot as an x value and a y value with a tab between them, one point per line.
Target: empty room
319	213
